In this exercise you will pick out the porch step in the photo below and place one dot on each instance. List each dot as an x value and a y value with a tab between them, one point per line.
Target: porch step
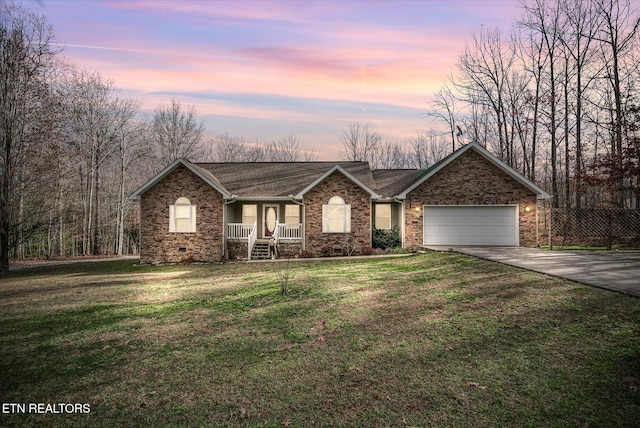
260	250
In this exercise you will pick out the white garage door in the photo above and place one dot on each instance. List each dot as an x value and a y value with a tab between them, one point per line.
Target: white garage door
471	225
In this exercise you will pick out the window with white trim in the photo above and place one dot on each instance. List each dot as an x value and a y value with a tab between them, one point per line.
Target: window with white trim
182	216
336	216
249	214
292	214
383	216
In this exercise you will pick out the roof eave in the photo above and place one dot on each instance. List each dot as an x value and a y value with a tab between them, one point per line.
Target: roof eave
265	198
347	174
540	193
173	165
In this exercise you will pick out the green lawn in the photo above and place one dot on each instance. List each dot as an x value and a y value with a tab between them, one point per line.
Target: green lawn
437	339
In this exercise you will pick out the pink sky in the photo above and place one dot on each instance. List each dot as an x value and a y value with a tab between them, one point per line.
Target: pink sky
265	70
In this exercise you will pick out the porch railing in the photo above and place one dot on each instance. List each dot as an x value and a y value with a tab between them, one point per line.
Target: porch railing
239	230
283	231
289	231
244	231
249	232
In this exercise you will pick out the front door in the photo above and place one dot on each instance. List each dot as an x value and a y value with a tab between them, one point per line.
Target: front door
270	219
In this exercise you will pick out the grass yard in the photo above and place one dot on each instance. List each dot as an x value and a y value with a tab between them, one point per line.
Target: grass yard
438	339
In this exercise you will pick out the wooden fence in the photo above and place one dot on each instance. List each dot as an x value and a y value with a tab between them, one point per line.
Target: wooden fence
595	227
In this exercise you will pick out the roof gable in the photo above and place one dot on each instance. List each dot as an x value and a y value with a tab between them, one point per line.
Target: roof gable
540	194
205	175
344	172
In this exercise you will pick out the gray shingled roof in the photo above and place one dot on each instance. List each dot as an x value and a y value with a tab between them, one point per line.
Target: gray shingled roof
390	182
264	179
284	179
209	175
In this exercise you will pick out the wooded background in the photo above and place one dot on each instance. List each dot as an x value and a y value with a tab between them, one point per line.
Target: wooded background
556	98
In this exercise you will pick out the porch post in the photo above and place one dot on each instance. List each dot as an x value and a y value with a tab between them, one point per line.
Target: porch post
224	229
304	228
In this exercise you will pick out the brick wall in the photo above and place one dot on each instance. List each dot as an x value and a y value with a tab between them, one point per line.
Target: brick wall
158	245
470	180
337	185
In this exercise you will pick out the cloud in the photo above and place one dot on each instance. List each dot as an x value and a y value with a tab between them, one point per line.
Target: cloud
307	66
148	51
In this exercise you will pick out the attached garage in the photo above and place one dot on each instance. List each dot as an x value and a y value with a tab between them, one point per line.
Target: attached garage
471	225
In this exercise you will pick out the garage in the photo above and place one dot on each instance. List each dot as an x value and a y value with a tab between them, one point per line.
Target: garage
471	225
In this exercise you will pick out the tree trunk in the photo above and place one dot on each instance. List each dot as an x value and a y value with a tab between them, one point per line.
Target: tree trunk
554	142
567	158
534	136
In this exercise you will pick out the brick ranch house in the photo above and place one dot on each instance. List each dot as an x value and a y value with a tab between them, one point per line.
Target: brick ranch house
207	211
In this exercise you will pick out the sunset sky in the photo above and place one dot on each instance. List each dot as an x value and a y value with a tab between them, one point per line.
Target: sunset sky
267	69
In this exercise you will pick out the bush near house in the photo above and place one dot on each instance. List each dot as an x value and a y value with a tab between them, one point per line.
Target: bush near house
386	238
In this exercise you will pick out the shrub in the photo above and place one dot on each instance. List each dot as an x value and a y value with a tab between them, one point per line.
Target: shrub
326	251
386	238
284	274
234	249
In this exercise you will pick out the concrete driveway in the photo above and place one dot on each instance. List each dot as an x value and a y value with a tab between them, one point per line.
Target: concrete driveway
611	270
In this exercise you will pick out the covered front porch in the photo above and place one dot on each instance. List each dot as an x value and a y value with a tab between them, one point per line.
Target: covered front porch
252	226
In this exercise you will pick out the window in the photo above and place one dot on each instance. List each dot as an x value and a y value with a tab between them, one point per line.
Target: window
182	216
249	214
383	216
292	214
336	216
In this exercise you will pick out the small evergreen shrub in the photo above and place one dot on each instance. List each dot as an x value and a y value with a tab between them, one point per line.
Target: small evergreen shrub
386	238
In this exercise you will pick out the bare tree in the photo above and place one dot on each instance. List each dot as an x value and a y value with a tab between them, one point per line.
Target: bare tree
582	25
445	110
617	39
361	144
235	149
394	155
484	69
25	56
530	52
545	20
94	122
478	122
428	149
176	133
226	148
131	146
288	149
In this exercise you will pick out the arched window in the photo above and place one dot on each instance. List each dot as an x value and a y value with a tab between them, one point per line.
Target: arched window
336	216
182	216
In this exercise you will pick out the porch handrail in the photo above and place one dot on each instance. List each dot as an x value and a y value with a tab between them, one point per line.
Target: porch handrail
253	235
276	232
